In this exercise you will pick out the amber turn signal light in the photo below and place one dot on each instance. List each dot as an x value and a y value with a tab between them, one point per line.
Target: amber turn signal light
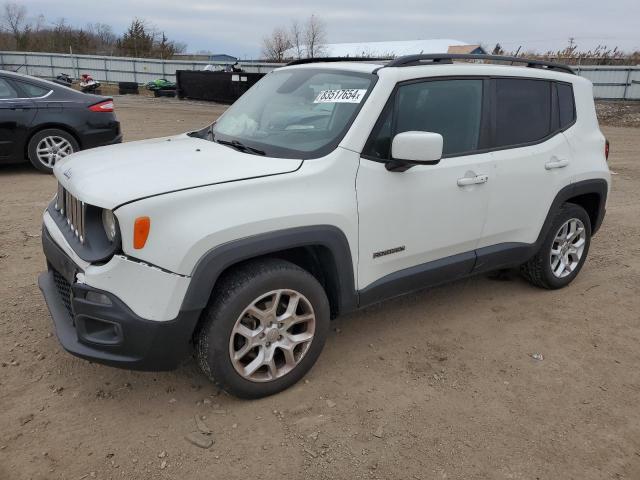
141	229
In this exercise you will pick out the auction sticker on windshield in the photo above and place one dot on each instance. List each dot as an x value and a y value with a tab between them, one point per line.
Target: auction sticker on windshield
350	95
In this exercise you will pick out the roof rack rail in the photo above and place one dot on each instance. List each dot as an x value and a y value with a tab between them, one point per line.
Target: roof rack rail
410	60
303	61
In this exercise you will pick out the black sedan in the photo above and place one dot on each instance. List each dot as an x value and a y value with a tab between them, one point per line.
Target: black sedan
42	122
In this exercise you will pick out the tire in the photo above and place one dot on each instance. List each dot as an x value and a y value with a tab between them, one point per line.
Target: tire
59	143
256	284
545	269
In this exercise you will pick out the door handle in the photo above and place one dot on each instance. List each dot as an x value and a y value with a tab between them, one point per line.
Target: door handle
556	162
475	180
20	106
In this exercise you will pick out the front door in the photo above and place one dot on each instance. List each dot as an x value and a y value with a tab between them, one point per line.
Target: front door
16	116
429	215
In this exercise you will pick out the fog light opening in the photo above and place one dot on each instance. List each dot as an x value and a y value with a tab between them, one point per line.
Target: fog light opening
97	331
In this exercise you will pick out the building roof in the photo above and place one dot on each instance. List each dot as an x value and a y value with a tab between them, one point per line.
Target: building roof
466	49
222	57
395	48
212	57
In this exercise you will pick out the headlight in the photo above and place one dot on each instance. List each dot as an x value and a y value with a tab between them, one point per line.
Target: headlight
110	224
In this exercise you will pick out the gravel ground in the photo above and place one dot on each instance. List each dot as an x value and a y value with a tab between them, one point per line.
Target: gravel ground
619	114
434	385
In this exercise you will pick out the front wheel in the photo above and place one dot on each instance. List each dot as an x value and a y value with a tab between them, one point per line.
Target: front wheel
563	251
263	329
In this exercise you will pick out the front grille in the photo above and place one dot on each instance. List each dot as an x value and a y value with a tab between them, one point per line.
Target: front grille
73	210
64	289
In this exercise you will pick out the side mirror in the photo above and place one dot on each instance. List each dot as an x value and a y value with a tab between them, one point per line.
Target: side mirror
416	148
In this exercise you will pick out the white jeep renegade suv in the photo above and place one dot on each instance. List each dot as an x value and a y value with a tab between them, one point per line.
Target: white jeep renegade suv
327	187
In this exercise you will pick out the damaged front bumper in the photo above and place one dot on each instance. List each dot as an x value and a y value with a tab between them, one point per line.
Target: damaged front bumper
97	325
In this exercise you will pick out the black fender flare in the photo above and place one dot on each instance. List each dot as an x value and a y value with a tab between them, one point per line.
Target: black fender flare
598	186
509	255
215	261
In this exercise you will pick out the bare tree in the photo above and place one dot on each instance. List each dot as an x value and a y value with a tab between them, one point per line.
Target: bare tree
39	23
140	39
14	20
105	39
275	46
315	37
297	38
62	38
179	47
14	17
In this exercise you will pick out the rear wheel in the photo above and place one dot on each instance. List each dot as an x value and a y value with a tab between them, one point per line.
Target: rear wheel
49	146
563	251
264	328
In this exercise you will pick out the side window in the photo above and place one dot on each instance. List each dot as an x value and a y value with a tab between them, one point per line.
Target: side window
452	108
6	90
33	91
566	105
522	111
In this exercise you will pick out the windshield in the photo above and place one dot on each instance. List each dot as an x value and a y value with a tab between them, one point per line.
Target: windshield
294	113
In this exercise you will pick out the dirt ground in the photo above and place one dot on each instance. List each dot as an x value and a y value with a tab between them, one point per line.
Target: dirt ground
619	114
436	385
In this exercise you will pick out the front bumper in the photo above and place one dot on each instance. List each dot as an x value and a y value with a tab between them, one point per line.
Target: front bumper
102	328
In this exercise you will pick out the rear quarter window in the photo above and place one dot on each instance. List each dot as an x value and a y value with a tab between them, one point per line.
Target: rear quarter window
31	90
566	105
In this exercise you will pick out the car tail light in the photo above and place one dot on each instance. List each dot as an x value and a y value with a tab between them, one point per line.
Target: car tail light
606	150
106	106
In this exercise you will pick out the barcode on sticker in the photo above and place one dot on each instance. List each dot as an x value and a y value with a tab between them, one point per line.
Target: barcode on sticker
351	95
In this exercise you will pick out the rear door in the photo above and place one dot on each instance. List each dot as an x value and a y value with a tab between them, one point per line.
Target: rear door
532	160
16	116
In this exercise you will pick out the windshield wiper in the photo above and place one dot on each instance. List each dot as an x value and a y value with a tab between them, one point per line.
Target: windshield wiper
240	146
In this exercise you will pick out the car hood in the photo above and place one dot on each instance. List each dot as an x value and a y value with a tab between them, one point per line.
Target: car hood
111	176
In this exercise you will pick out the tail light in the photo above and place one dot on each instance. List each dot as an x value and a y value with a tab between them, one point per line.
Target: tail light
606	150
106	106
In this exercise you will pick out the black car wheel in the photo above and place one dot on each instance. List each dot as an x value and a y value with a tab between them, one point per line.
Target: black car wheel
263	329
563	251
48	146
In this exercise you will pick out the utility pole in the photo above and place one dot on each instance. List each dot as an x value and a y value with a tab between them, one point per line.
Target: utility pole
571	41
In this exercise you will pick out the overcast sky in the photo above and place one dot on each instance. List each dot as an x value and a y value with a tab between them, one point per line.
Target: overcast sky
237	27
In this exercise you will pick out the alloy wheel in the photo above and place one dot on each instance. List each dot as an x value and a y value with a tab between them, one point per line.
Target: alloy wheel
272	335
51	149
567	247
